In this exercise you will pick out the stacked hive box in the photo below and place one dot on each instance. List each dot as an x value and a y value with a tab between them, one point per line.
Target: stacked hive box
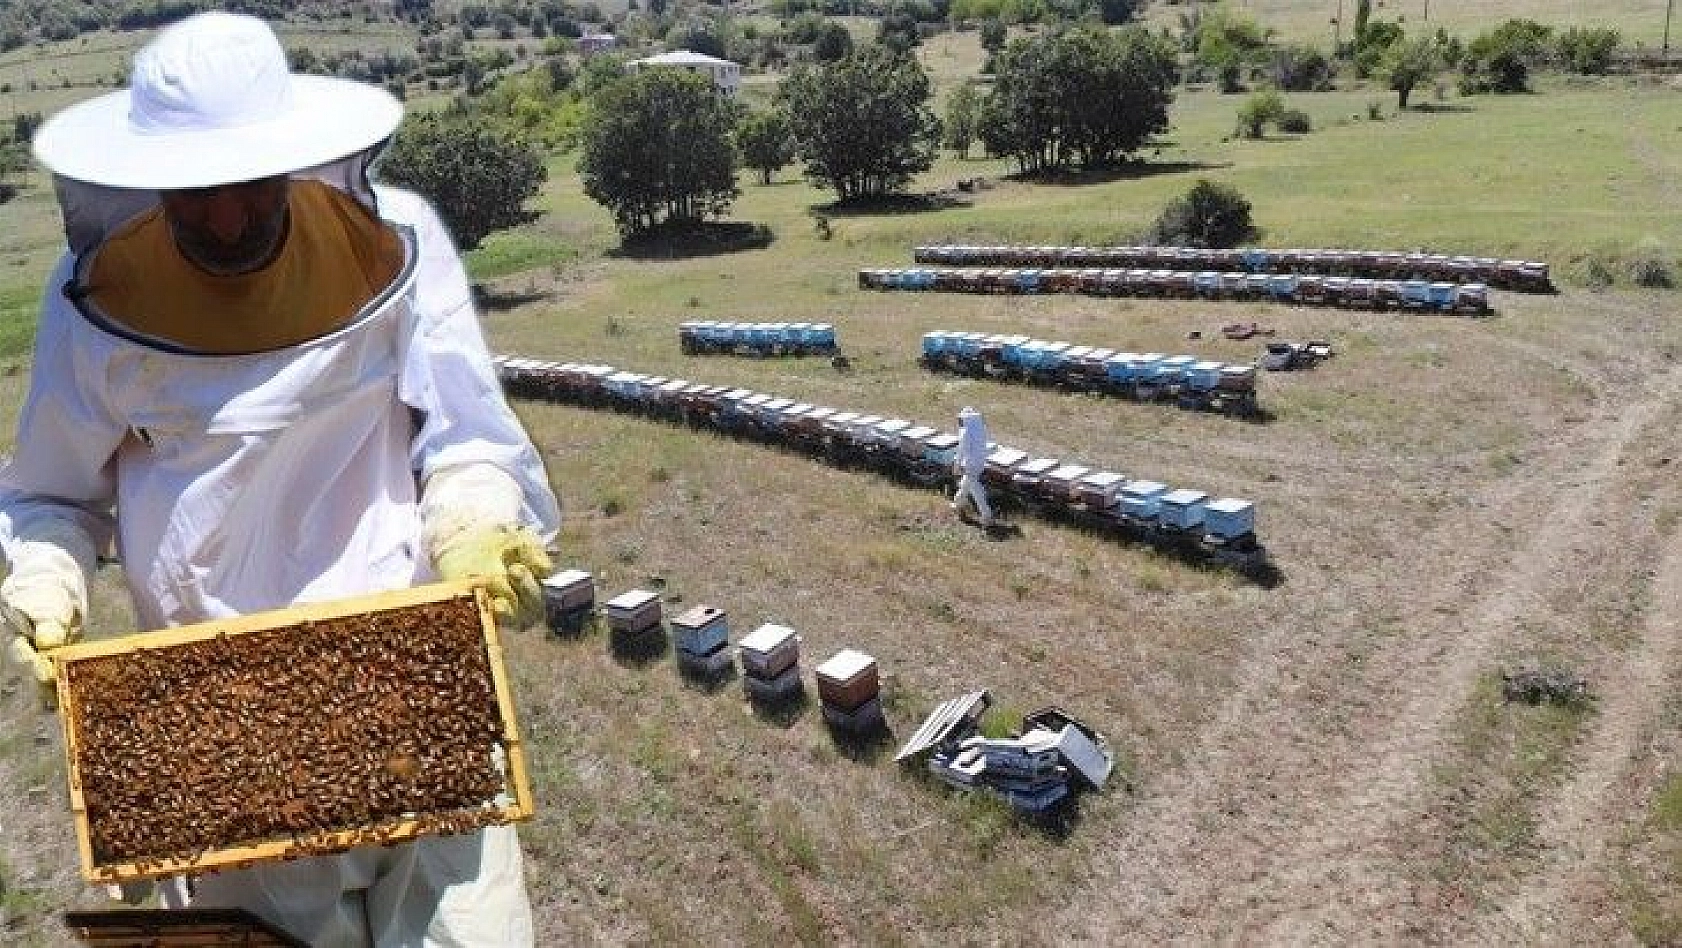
703	638
770	658
850	690
634	619
569	597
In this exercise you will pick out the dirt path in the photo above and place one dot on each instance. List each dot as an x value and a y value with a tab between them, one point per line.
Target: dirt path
1613	776
1283	825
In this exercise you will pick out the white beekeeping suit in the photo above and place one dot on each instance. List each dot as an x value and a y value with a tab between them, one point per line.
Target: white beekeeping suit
971	461
366	458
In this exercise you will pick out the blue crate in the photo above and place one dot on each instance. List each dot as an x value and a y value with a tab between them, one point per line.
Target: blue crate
1228	518
1182	509
935	343
1172	370
820	335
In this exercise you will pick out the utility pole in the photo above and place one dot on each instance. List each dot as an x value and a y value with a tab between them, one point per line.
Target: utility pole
1666	48
1337	28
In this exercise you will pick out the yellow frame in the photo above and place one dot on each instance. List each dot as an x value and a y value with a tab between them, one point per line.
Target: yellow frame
391	831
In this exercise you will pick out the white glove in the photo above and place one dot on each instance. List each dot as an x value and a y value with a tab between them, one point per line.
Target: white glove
470	524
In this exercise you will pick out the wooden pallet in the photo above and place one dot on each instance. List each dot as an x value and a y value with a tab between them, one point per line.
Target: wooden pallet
514	804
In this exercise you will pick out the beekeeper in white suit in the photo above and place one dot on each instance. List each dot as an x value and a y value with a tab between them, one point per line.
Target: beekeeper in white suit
970	462
264	378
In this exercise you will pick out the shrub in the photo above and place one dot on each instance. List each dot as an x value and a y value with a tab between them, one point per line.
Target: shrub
1209	215
1295	122
1262	107
1375	110
1651	271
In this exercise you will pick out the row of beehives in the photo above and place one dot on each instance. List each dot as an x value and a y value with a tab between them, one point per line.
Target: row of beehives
1524	275
848	683
1353	292
708	336
1191	382
1183	520
1054	755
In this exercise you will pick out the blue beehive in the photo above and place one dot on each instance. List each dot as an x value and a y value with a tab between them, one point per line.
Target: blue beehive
1052	355
1119	367
1228	518
1181	509
1415	292
701	630
1204	375
759	335
820	335
1254	260
1283	286
934	343
1206	282
1028	280
1442	295
1172	370
1140	499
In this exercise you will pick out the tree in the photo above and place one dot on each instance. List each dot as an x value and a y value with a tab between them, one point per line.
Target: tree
1499	60
1260	108
963	109
992	35
1588	50
477	174
833	42
1209	215
898	31
1084	96
1408	64
766	142
862	123
657	149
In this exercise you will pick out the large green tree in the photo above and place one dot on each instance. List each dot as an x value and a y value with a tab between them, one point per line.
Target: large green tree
863	123
1409	63
477	174
1083	96
766	142
657	148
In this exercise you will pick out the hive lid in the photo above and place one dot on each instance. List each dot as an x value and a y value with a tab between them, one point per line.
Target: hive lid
943	721
766	638
566	578
845	665
1068	472
698	616
1228	505
1184	497
1103	479
632	600
1143	488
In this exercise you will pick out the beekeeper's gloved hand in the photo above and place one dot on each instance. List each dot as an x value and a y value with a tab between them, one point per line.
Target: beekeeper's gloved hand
470	524
43	597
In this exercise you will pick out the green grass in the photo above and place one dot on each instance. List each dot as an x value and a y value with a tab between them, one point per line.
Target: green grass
1310	21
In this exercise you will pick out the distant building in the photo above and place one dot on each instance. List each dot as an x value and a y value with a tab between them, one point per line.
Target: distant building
726	75
591	43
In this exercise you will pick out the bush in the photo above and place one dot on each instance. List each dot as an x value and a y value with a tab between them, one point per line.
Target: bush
1651	271
1262	107
1588	50
1375	110
1295	122
1209	215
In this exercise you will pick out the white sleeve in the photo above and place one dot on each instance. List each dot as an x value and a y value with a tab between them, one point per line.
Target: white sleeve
60	485
448	379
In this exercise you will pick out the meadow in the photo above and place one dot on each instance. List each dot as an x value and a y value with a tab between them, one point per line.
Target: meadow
1328	760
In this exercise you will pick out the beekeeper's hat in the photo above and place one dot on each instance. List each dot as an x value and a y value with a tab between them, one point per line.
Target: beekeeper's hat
211	101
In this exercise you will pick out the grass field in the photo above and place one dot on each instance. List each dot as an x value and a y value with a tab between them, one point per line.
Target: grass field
1328	761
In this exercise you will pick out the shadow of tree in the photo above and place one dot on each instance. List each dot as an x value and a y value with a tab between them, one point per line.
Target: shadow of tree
891	204
1440	107
694	239
1126	171
493	300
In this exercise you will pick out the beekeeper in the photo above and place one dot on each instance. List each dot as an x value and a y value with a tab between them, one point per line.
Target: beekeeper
263	378
970	462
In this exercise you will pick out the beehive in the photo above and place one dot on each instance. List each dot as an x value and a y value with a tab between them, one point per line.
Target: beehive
301	731
175	928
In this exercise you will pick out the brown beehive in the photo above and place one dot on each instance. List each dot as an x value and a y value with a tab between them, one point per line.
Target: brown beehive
175	928
301	731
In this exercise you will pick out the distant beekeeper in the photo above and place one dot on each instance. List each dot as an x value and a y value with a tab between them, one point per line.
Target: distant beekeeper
971	461
264	378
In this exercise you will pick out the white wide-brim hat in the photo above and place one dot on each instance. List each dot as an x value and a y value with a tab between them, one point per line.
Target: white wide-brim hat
211	101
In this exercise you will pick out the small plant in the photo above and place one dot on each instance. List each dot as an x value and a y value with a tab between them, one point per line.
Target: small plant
821	225
612	505
1375	111
1552	685
1651	271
